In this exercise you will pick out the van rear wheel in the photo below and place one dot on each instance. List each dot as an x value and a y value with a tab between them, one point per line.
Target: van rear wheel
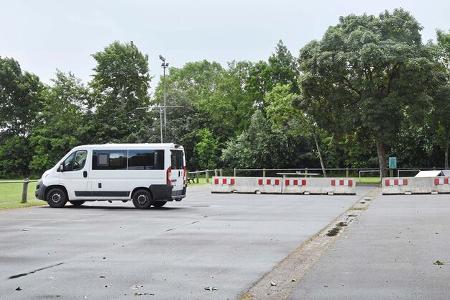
142	199
76	203
159	203
56	197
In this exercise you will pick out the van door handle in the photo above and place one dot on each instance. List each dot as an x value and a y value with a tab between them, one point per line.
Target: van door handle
84	174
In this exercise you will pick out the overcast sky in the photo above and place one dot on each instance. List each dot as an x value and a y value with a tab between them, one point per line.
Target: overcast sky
45	35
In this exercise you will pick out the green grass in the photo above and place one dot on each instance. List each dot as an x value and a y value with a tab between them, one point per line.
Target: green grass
369	180
11	195
200	181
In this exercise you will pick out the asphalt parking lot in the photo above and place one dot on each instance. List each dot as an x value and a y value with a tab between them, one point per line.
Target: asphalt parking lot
390	252
209	246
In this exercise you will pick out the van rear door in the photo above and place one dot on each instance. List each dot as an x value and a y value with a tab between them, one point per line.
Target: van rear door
178	172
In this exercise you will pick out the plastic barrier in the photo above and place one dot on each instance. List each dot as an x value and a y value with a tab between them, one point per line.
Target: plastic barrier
442	185
295	185
223	184
278	185
342	186
268	185
415	185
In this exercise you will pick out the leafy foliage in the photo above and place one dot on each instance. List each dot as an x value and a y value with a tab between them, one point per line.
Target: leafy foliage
366	75
367	89
20	102
62	114
120	86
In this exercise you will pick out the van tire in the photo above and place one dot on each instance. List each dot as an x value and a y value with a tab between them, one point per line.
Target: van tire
76	203
142	199
159	203
56	197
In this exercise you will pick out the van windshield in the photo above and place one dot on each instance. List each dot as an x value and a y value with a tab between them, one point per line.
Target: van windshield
176	158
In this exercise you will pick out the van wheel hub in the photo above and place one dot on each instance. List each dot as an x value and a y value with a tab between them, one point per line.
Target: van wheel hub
56	197
142	199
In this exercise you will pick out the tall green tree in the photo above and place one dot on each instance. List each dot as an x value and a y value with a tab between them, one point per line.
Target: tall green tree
20	102
206	149
64	121
441	115
120	85
283	68
366	74
282	111
264	146
189	90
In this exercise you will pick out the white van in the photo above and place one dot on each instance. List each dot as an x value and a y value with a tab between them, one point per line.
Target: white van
147	174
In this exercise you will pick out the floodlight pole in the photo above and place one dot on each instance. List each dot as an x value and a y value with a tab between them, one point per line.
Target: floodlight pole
164	65
161	124
160	118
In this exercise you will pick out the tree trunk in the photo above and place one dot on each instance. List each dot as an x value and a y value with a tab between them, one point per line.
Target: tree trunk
446	157
320	155
381	158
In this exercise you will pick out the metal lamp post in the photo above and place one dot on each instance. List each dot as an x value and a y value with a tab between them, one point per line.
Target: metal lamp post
164	65
149	108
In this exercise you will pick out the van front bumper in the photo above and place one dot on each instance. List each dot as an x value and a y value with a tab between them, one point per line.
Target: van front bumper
40	190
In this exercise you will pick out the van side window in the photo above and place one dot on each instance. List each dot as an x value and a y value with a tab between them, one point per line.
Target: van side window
176	159
145	159
109	160
75	161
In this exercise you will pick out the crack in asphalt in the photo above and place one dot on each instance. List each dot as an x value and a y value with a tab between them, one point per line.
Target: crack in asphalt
34	271
170	229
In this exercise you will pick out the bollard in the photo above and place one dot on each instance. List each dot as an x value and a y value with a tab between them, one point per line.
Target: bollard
234	172
25	190
215	172
264	173
221	172
196	177
207	176
346	172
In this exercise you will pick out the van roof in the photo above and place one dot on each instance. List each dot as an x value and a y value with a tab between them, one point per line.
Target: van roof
132	146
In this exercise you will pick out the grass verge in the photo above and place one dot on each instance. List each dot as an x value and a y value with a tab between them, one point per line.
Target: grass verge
200	181
11	195
369	180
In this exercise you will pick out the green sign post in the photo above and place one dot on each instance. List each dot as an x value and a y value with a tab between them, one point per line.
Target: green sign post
392	162
392	165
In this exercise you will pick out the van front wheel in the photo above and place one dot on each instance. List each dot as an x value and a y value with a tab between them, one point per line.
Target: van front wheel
142	199
56	197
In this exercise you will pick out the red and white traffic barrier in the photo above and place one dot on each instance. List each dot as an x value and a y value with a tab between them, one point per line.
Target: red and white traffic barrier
278	185
295	185
415	185
343	186
224	181
396	182
269	185
223	184
441	181
341	182
442	184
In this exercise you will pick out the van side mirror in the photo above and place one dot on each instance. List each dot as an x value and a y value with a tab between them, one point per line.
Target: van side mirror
61	168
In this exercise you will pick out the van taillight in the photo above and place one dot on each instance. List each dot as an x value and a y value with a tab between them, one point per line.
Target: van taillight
168	175
184	174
